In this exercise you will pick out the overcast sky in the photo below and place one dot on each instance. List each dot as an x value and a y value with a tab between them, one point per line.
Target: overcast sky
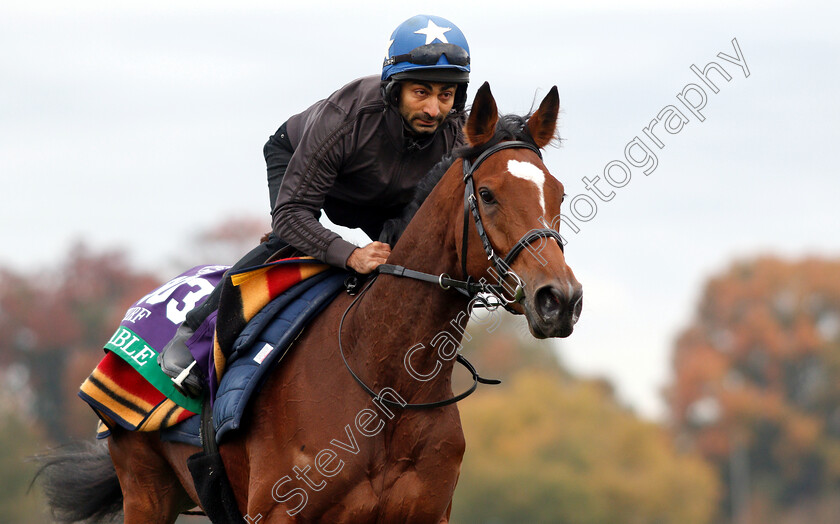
136	126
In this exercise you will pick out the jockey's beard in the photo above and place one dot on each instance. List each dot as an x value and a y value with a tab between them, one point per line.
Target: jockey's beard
422	123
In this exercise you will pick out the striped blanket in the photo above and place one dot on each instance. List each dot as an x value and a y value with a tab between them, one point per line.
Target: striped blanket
128	388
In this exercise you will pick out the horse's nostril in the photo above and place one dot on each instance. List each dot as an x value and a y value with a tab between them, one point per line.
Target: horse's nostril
549	302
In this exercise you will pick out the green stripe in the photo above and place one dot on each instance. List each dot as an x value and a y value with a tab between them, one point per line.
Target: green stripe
143	358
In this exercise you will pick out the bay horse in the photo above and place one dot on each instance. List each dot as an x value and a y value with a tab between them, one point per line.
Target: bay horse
316	446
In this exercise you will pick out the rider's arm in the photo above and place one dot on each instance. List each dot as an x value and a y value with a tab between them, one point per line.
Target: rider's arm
313	168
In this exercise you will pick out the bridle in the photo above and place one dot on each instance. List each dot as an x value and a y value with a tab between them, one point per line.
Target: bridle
469	286
471	205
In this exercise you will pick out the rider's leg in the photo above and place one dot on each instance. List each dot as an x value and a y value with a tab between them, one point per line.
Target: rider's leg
175	359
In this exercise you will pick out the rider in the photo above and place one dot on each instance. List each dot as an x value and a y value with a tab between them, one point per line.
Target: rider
357	155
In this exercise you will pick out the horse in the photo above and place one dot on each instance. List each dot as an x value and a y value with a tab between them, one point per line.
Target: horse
316	446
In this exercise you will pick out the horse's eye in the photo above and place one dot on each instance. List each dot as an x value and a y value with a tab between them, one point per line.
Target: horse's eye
486	196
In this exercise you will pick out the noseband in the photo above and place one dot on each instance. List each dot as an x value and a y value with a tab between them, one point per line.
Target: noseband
468	286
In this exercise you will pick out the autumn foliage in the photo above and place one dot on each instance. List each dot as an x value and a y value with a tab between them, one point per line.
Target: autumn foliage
547	446
757	382
52	327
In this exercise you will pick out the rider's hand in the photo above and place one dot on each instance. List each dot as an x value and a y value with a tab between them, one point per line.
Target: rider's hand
365	259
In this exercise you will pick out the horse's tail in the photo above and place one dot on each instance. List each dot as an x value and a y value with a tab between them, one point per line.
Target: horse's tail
80	483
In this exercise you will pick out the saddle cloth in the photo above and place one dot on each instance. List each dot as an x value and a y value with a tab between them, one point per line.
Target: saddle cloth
128	388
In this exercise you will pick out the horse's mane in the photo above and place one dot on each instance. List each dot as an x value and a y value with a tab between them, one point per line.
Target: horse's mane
509	127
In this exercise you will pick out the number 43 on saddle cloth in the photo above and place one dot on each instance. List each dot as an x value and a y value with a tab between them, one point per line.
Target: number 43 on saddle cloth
129	389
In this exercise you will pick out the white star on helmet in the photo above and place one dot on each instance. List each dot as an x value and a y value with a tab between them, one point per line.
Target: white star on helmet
433	32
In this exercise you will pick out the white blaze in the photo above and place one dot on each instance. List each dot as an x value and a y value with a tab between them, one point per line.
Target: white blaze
531	173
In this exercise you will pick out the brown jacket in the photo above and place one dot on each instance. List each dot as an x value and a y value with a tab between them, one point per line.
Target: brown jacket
353	159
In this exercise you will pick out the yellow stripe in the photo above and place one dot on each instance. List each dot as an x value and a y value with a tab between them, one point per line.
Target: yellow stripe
93	391
158	418
237	280
152	422
254	296
219	360
308	270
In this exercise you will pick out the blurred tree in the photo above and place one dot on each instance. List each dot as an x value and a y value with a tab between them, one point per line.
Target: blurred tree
222	243
549	447
18	440
757	384
52	328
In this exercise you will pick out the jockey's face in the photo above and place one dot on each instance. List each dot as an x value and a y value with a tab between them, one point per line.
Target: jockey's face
424	105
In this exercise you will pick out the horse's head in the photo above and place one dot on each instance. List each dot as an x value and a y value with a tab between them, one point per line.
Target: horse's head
514	195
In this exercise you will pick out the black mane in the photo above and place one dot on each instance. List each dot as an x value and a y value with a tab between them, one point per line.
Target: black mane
509	127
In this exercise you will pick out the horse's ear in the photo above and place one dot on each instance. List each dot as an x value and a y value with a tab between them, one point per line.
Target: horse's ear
543	122
481	125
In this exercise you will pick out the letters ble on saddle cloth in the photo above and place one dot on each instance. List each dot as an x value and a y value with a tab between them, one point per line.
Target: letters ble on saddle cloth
128	388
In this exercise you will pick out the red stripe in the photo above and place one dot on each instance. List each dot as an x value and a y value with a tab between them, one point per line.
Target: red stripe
282	277
184	416
129	379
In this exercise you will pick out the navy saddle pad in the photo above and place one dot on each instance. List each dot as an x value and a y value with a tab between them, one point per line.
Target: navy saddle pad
262	344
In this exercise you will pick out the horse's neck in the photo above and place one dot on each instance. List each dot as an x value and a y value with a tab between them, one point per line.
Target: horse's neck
398	313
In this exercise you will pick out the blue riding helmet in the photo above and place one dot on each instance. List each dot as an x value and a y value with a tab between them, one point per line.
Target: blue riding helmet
427	47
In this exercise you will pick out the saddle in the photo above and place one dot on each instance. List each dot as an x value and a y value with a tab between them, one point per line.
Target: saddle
262	310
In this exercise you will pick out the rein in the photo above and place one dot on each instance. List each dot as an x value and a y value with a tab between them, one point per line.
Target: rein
426	405
468	287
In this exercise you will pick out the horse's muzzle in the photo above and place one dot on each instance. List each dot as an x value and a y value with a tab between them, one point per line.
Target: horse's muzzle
553	312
